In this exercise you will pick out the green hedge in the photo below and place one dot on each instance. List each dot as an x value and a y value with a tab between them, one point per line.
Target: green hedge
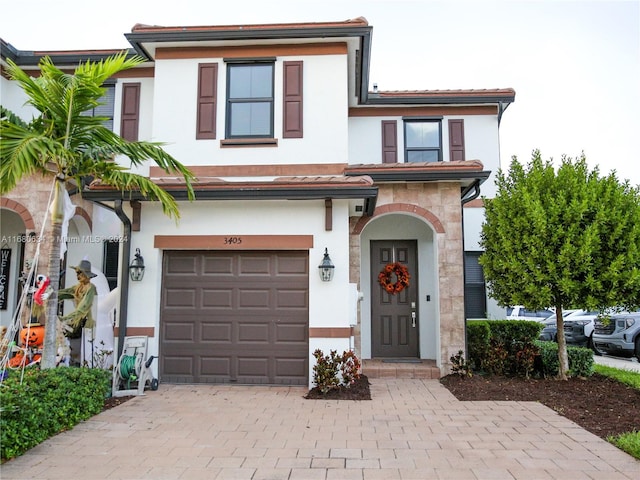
580	360
46	403
511	347
503	347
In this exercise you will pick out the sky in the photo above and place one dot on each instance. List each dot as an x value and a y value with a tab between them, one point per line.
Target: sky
575	65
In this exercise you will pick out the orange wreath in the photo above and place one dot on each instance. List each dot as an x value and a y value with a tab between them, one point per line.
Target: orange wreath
401	274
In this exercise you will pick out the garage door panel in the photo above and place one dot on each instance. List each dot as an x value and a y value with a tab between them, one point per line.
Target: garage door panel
292	265
215	365
253	333
292	299
180	298
245	321
291	333
219	265
217	298
254	298
216	332
174	365
253	367
182	265
254	265
290	367
179	332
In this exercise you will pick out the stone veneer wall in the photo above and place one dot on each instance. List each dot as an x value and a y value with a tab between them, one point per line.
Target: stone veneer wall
434	202
33	193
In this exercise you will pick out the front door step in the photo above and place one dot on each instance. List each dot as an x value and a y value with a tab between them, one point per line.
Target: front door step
397	368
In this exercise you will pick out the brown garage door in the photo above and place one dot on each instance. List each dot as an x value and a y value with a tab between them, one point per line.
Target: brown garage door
234	317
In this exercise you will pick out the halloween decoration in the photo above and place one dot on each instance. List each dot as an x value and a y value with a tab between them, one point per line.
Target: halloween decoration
32	335
82	294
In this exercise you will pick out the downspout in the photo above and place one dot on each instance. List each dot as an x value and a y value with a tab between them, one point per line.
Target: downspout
475	188
124	274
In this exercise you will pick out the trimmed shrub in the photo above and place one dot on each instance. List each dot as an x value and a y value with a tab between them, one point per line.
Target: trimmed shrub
46	403
580	360
478	335
333	370
503	347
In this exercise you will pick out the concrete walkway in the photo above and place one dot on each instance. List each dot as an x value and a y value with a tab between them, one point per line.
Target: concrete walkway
412	429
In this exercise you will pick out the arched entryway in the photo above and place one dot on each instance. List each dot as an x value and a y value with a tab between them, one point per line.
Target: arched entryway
411	239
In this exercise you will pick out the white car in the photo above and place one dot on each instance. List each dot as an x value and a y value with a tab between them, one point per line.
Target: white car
521	313
579	327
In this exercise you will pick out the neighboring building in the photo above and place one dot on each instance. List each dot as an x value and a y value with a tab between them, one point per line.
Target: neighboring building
293	155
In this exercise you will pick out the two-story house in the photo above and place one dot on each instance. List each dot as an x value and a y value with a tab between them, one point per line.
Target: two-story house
298	164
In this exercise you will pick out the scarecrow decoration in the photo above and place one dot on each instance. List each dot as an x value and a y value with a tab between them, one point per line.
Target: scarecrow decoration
82	294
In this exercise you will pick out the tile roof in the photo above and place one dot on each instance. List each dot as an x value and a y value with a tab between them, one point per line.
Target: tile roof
445	93
142	28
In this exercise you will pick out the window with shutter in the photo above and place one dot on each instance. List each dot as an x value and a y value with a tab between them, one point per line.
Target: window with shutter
105	108
456	139
475	296
207	100
110	266
249	100
422	140
389	141
292	98
130	111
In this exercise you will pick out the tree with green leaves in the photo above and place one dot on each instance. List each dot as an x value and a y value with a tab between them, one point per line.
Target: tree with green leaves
563	238
65	143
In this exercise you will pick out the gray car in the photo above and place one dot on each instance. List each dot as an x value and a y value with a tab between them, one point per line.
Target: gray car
618	335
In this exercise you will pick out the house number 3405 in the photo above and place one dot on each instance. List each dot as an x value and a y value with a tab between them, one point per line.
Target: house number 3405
232	240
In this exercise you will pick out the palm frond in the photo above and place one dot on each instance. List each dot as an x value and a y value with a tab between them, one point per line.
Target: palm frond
119	178
9	116
24	152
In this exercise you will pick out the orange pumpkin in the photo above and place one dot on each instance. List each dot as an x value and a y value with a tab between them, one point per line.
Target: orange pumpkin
32	335
17	360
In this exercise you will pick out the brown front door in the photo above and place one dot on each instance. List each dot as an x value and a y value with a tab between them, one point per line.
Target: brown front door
394	317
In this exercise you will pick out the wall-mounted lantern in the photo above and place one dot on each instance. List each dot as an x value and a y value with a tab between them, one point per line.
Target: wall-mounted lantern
326	267
136	269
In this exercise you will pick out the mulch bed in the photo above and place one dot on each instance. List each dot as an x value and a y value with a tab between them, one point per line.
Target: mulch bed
359	390
598	404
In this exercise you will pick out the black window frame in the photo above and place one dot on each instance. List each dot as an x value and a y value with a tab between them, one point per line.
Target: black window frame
110	261
475	286
244	63
107	105
408	149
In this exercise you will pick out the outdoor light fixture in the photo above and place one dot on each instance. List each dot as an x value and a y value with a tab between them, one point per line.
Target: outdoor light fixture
136	269
326	268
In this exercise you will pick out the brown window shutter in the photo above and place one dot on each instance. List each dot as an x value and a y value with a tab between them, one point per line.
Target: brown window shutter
456	140
130	111
389	141
292	107
207	93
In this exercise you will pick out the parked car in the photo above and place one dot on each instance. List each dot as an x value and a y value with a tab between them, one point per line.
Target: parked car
578	328
521	313
550	331
618	334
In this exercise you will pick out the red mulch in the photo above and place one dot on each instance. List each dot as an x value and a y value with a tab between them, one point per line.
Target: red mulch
598	404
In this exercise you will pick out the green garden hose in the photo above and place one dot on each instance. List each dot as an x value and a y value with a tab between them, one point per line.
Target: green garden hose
128	369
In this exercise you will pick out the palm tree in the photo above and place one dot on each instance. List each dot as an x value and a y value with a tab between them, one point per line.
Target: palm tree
66	143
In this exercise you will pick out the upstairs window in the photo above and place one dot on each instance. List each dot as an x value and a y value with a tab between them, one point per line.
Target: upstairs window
422	140
250	100
106	106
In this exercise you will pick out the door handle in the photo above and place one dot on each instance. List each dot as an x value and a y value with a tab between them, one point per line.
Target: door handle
413	319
